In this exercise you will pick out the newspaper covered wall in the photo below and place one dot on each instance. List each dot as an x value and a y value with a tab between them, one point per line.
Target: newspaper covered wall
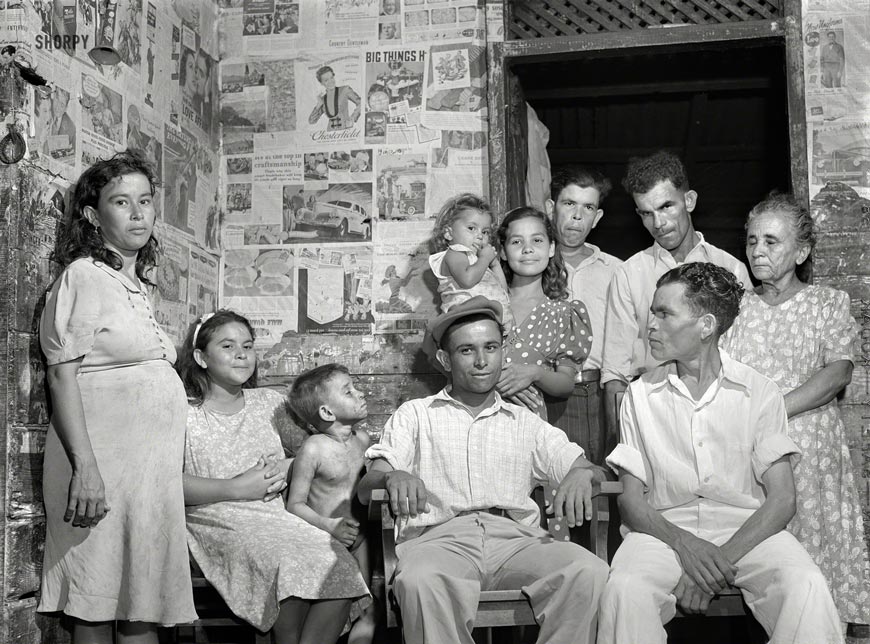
837	77
161	100
346	125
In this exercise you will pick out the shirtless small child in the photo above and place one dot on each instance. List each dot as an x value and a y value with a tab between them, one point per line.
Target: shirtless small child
330	464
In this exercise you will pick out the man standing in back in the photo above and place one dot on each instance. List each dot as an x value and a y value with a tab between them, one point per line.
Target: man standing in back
664	202
575	208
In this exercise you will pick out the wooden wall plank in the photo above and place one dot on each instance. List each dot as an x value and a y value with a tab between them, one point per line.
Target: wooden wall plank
858	288
858	391
842	253
26	447
838	207
23	625
497	136
25	543
542	49
857	419
31	404
797	105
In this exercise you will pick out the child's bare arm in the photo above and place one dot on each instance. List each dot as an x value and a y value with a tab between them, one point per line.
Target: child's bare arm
304	472
465	274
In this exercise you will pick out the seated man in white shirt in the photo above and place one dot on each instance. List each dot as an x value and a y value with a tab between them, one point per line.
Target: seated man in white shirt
707	469
459	468
664	202
575	208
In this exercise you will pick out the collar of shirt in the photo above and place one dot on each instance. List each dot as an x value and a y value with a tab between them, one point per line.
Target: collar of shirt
118	275
662	255
498	405
596	256
732	371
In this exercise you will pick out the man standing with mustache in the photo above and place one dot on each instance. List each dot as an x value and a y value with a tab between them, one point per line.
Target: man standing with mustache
459	468
664	202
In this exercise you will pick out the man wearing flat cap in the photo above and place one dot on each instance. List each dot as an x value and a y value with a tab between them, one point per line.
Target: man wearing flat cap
459	468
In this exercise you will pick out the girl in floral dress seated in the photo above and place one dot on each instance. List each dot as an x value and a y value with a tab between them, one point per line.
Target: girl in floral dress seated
272	568
552	336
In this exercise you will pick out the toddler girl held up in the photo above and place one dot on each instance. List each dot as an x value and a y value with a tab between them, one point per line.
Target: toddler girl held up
273	569
466	264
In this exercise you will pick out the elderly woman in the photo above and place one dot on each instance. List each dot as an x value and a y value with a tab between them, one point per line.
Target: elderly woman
800	336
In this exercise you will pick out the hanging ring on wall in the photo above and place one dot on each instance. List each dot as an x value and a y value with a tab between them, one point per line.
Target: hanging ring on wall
12	146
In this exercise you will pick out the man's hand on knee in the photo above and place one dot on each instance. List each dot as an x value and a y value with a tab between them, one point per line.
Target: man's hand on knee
690	597
705	564
407	493
574	496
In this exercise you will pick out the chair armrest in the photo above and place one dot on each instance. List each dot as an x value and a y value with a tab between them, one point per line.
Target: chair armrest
600	523
379	512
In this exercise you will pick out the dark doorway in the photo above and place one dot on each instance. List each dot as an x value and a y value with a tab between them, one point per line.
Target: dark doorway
724	111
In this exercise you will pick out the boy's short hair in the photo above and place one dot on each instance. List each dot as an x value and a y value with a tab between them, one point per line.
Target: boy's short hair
581	176
306	394
644	173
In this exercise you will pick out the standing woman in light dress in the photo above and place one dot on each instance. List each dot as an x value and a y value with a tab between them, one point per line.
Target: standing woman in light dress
115	547
801	336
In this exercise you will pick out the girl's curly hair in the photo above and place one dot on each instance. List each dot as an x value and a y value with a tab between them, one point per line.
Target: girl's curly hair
80	238
555	278
449	213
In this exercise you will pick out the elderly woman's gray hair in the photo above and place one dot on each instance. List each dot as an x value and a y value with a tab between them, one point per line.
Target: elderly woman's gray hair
801	222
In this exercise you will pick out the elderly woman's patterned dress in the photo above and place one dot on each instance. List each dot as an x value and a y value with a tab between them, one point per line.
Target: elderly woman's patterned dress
789	343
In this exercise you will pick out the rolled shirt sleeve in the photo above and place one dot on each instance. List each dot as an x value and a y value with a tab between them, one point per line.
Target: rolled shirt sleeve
554	453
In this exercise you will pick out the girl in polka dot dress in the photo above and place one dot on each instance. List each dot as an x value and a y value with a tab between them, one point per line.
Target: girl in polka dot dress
552	336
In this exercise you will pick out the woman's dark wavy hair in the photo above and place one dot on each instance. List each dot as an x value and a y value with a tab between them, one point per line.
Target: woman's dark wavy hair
195	378
708	289
555	279
80	238
801	222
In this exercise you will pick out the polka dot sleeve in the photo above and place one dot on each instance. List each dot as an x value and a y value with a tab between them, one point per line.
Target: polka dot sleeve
574	335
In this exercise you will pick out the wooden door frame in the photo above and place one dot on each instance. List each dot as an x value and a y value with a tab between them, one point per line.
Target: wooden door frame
507	158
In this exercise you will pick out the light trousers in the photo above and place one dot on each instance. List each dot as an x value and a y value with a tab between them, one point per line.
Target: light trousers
440	574
783	588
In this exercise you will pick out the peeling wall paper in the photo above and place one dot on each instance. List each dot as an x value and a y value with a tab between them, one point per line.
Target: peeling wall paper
836	39
341	141
147	103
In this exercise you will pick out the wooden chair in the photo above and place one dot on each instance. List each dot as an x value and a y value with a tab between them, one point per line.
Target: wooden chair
496	607
216	624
